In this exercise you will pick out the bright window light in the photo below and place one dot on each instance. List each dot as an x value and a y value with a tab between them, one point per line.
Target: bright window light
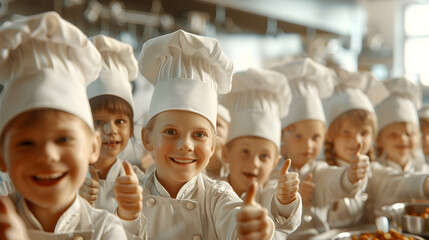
417	19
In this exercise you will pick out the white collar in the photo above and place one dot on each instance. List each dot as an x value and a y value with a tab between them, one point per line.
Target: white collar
115	171
185	192
69	220
342	163
390	163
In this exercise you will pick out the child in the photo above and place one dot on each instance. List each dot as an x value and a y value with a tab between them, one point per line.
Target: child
217	168
399	127
303	133
423	114
111	104
352	124
188	71
257	100
47	137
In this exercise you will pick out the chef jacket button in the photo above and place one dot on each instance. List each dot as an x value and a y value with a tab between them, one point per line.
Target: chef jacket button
78	238
196	237
150	202
190	206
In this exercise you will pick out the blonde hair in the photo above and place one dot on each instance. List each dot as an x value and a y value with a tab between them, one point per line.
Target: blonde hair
358	117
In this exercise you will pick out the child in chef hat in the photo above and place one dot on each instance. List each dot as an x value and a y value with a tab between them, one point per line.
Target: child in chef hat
257	100
217	168
111	102
47	137
423	114
352	127
180	202
303	133
399	134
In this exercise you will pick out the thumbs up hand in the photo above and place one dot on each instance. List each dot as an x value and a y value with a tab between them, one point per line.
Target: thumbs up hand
306	189
253	220
128	194
11	225
359	166
287	184
90	188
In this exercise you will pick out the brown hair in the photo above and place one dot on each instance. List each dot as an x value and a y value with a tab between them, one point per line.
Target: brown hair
424	122
358	117
113	104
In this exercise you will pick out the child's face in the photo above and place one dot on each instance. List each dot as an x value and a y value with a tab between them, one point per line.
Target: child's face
115	132
425	139
47	156
222	128
397	140
304	141
182	143
348	137
250	159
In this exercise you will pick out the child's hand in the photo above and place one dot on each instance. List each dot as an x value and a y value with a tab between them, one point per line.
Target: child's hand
253	220
306	189
89	189
287	184
359	166
129	194
11	225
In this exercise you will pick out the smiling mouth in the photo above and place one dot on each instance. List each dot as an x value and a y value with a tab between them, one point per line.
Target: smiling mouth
250	175
48	179
183	161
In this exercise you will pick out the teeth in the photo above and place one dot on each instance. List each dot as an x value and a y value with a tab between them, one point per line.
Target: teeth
49	176
182	161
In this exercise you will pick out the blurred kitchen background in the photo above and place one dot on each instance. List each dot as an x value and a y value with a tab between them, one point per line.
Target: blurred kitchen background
388	37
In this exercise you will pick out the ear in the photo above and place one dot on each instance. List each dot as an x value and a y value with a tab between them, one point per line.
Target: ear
225	154
3	167
146	139
95	148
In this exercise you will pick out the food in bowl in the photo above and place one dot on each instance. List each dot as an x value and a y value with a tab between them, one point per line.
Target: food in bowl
391	235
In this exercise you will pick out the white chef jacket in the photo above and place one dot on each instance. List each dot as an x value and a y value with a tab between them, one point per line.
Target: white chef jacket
332	183
385	187
412	165
80	220
203	209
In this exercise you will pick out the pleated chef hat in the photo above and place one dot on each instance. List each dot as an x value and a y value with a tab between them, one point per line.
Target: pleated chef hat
257	101
424	111
401	105
119	69
309	82
46	62
354	90
188	71
223	112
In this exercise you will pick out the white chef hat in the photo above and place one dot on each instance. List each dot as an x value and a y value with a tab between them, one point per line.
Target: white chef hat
257	101
119	69
46	62
223	112
424	111
187	71
309	82
401	105
354	90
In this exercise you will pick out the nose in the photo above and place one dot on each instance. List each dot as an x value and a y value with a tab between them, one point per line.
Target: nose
109	128
404	137
255	161
48	152
309	143
358	138
185	144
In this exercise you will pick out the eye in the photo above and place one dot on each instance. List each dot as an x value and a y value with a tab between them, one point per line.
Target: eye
25	143
170	131
298	136
316	138
64	139
364	133
120	121
244	151
264	157
200	134
98	123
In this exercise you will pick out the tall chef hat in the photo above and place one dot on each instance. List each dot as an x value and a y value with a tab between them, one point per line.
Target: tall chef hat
401	105
119	69
188	71
354	90
257	101
309	82
46	62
